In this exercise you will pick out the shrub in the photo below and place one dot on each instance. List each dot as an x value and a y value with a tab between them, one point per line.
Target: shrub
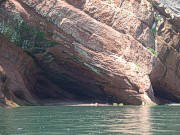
153	51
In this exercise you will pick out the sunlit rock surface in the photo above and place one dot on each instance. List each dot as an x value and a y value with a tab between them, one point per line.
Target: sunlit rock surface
106	51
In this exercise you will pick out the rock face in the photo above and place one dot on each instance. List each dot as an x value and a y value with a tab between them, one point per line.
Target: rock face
128	17
92	59
105	51
22	81
169	9
16	74
168	48
106	55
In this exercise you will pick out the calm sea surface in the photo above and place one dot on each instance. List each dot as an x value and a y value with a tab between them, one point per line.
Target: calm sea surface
73	120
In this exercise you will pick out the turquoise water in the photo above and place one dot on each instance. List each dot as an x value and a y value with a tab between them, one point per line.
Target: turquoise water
73	120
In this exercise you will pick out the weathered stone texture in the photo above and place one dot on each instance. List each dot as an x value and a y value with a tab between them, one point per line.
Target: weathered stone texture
102	52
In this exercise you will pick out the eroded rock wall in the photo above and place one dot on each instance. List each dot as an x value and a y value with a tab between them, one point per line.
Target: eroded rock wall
105	50
17	74
110	63
132	17
168	48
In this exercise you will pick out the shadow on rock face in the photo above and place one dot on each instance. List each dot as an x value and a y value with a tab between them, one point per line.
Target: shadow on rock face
166	76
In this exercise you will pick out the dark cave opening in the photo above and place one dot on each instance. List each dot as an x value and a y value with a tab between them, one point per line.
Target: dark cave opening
65	88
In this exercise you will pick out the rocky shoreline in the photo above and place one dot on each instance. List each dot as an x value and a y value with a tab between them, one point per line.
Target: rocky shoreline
89	50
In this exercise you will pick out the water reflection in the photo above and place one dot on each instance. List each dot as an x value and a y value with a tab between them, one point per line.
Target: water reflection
69	120
134	121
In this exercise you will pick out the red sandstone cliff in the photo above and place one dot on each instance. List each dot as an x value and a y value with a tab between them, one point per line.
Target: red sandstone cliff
103	51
